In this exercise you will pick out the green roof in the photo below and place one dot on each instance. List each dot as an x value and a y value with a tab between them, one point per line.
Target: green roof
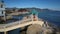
33	12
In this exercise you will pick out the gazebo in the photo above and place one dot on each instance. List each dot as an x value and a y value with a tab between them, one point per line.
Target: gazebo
34	14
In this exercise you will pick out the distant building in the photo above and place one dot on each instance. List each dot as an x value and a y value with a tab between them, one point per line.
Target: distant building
23	11
2	8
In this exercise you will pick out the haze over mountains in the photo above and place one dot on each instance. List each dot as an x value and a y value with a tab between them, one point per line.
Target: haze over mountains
38	9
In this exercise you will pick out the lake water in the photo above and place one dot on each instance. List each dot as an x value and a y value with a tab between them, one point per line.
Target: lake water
52	17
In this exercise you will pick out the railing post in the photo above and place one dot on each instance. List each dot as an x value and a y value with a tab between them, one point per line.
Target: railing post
5	32
32	17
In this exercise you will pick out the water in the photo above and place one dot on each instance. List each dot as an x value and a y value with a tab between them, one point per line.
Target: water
52	17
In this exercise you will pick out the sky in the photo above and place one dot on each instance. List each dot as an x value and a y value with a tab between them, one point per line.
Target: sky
50	4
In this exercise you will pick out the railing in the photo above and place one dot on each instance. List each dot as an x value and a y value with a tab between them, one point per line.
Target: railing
2	8
2	26
17	13
40	19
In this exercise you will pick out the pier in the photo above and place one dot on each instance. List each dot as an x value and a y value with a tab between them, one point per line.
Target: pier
18	24
32	19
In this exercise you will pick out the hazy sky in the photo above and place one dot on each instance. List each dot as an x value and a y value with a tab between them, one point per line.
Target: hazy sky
51	4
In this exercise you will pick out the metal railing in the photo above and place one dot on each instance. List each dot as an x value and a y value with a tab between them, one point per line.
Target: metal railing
2	26
2	8
17	13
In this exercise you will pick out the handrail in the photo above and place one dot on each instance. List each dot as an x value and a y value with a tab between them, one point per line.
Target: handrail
2	8
2	26
17	13
40	19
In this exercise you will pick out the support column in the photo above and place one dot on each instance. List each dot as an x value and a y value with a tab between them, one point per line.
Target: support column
4	16
5	32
